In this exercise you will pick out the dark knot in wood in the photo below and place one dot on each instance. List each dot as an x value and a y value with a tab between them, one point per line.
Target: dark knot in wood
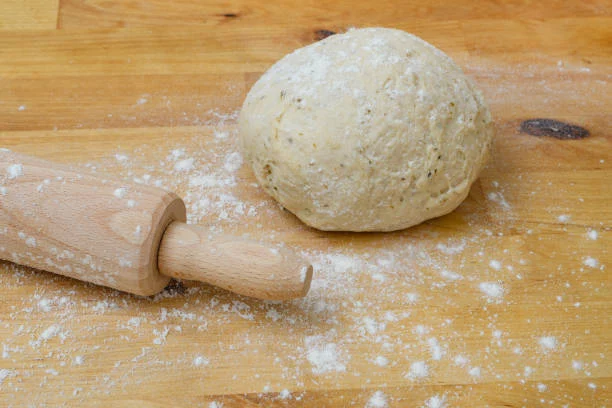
553	128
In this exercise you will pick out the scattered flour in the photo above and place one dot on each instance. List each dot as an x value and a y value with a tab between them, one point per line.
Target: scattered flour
6	373
564	218
233	162
122	158
120	192
497	197
221	134
577	365
273	314
435	349
324	356
493	291
31	242
548	343
452	276
421	329
284	394
460	360
451	249
44	305
377	400
200	361
50	332
176	154
184	165
435	401
418	370
160	335
591	262
13	171
371	326
475	372
381	361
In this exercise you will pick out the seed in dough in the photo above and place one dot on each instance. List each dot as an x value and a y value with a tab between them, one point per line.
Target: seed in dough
371	130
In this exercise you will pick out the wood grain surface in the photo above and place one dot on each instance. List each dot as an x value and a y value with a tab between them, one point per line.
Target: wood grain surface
504	302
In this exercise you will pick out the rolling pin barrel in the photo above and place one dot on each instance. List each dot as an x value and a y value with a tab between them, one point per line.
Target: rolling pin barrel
78	225
128	236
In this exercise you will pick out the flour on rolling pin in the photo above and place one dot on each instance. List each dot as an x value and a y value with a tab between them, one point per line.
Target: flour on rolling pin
75	236
128	236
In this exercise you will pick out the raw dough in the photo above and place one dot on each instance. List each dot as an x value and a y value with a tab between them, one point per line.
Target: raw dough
371	130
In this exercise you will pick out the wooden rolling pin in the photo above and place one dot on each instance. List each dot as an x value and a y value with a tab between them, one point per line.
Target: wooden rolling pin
126	236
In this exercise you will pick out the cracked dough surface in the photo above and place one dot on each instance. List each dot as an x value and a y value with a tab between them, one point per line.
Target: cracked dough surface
371	130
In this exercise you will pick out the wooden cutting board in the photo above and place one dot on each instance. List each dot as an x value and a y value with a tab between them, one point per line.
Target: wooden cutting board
505	302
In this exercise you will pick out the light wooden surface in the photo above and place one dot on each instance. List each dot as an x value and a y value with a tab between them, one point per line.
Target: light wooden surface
99	81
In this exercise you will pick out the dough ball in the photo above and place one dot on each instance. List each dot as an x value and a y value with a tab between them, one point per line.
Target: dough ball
371	130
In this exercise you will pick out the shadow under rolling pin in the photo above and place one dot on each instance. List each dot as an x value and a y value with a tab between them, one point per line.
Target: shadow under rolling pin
130	237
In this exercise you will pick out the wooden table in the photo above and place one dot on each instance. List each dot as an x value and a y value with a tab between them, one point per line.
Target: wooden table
505	302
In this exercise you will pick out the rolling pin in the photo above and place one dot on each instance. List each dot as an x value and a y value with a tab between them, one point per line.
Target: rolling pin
130	237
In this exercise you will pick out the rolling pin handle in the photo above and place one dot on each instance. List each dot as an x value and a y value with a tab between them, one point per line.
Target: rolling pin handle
246	267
